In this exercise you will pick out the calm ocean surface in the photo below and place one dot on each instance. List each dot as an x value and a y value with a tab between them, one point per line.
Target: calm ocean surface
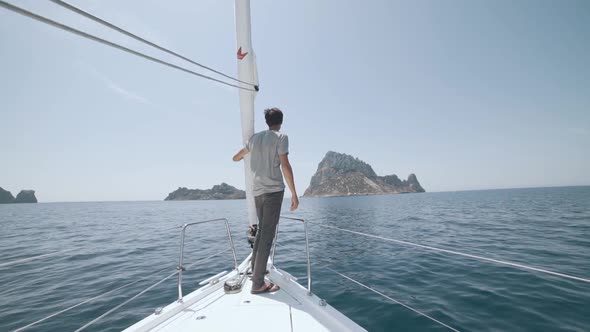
119	242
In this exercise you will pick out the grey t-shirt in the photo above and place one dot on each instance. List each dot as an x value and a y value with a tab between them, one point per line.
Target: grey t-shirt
265	148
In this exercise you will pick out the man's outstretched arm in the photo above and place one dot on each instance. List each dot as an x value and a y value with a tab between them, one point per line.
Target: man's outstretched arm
288	173
241	154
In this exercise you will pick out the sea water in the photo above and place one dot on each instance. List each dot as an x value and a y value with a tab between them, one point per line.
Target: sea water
115	243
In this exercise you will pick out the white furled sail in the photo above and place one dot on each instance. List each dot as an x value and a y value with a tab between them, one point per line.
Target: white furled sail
246	73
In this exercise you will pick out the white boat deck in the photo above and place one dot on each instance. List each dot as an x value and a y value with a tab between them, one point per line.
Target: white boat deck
209	308
218	311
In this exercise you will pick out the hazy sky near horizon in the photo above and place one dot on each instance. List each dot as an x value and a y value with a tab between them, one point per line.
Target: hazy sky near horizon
466	94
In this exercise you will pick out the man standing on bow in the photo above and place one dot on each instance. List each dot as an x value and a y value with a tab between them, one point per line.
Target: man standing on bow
269	151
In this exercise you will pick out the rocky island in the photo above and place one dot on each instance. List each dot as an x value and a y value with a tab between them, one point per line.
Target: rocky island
24	196
340	174
222	191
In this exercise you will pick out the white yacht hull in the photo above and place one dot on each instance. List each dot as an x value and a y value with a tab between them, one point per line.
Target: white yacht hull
210	308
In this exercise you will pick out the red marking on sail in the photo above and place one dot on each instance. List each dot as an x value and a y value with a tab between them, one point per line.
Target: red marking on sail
240	54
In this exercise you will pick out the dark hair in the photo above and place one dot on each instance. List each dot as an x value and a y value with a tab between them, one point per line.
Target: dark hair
273	116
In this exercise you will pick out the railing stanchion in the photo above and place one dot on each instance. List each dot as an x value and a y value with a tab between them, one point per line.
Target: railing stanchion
180	267
307	253
274	246
231	243
308	259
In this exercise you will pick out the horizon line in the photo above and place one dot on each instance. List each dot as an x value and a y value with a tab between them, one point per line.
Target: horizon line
428	192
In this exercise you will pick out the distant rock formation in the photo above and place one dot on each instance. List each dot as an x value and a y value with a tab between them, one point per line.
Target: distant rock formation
24	196
340	174
5	196
222	191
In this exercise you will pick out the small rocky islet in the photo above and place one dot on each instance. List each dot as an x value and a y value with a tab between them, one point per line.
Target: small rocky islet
24	196
221	191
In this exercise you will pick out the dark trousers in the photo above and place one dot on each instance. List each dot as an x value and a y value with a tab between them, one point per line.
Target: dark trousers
268	209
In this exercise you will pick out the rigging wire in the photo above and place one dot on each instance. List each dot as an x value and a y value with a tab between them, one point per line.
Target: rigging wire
111	291
497	261
391	299
80	33
143	40
28	259
380	293
127	301
144	291
86	301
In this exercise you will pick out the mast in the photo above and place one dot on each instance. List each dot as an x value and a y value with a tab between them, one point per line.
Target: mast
246	73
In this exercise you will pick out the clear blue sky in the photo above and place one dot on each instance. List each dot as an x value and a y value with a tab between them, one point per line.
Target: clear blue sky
466	94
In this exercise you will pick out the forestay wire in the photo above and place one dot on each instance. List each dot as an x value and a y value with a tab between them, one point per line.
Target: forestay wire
83	34
141	39
496	261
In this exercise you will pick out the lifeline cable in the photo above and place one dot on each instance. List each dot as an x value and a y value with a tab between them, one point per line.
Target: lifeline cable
86	301
392	299
384	295
109	292
497	261
143	292
28	259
